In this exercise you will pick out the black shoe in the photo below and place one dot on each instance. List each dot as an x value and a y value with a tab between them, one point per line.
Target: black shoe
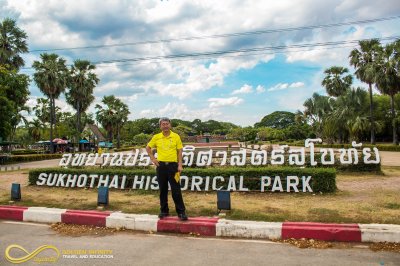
163	215
182	217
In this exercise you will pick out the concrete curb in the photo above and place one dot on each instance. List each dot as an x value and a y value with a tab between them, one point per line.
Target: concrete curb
207	226
322	231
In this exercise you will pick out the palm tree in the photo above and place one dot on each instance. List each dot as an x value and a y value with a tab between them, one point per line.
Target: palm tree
51	77
316	109
34	128
12	43
350	114
82	82
18	117
388	78
42	110
113	116
335	82
364	62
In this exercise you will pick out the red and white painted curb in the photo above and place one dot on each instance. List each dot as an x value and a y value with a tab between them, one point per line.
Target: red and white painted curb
207	226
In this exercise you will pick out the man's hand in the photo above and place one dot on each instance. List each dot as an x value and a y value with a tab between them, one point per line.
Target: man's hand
155	162
180	168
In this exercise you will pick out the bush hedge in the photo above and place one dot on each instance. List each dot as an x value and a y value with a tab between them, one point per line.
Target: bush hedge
323	179
381	147
24	152
30	158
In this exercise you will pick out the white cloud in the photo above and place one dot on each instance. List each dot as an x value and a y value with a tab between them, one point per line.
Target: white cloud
243	90
283	86
260	89
279	86
219	102
296	85
72	23
182	111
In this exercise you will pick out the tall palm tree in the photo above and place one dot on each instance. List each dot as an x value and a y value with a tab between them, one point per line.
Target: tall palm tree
81	84
364	62
51	77
388	78
335	82
12	43
112	116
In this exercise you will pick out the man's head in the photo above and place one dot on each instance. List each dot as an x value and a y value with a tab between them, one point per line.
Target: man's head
164	123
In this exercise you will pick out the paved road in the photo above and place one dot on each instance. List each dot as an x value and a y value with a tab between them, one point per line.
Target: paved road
129	248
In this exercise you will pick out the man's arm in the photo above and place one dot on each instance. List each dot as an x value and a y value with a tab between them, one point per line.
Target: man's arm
180	168
152	158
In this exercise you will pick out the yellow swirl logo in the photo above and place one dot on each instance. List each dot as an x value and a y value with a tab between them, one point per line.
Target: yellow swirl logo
32	255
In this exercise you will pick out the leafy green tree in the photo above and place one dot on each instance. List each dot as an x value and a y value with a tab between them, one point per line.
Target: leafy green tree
277	119
12	44
51	76
335	82
14	87
42	110
141	139
298	132
364	61
243	134
271	134
6	111
182	131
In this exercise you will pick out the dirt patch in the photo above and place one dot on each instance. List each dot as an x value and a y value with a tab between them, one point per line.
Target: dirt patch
318	244
390	158
83	230
307	243
385	246
7	178
379	182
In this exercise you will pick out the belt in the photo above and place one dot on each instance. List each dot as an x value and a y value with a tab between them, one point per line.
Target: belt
166	163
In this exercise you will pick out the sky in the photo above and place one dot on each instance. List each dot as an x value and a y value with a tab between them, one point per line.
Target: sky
233	61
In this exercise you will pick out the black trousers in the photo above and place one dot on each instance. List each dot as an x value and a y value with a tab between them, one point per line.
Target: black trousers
166	173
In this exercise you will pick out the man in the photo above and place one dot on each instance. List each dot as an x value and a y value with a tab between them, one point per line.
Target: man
168	163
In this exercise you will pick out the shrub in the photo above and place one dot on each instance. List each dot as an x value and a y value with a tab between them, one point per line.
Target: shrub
31	157
323	179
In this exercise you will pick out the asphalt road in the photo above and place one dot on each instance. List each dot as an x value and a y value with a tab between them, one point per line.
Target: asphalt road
130	248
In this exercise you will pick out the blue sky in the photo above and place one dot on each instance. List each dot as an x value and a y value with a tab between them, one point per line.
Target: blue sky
240	88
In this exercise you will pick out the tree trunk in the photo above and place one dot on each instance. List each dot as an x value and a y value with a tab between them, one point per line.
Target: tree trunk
118	137
110	130
51	125
54	117
78	125
371	115
394	122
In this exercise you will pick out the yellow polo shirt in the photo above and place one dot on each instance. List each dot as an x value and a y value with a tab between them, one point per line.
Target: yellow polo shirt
166	146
